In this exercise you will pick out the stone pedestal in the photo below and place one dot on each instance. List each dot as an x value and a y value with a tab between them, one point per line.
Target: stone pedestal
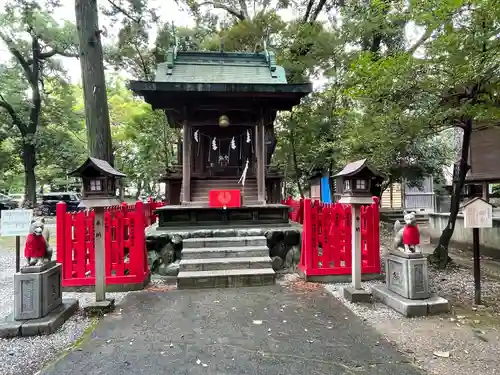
38	304
37	291
406	275
407	286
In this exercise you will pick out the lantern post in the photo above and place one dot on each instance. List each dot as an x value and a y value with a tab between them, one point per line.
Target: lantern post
99	180
357	179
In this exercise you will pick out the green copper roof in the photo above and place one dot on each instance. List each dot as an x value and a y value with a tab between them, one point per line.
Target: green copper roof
220	67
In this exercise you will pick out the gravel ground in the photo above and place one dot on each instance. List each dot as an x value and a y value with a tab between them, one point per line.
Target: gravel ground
26	355
466	341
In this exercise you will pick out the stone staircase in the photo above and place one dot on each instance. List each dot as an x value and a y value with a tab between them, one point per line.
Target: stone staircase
200	189
223	262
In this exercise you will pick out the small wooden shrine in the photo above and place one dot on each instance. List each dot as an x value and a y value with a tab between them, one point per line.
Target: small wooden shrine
225	103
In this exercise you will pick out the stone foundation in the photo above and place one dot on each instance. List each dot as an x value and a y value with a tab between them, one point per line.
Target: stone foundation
407	286
165	245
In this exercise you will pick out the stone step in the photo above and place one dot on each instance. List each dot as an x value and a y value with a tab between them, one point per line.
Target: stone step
217	242
224	186
204	202
226	278
224	252
223	182
206	193
213	264
208	188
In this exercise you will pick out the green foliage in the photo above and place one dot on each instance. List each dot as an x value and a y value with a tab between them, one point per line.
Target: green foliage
143	142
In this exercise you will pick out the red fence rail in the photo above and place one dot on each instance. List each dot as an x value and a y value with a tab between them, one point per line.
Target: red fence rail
297	209
125	244
327	236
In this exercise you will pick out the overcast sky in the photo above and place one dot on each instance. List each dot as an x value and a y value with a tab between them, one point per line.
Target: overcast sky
168	11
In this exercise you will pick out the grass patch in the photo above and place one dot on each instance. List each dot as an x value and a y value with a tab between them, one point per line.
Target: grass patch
75	346
9	243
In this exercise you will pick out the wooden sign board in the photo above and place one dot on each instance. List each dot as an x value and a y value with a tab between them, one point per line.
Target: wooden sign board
478	214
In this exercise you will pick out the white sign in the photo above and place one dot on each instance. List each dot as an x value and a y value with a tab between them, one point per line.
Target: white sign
15	222
478	214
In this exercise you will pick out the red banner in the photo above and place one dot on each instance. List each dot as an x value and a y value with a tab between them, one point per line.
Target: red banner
224	198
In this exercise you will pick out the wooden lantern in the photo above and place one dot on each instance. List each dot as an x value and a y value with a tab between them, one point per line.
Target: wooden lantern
99	181
356	180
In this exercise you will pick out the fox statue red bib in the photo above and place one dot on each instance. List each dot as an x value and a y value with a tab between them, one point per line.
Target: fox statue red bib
411	235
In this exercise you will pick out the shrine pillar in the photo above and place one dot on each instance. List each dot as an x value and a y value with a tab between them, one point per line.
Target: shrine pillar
261	162
186	162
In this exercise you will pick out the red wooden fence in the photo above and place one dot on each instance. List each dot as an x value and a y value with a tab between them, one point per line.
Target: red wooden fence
297	209
326	239
124	238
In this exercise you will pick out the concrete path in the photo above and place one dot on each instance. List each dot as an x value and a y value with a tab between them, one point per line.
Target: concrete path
260	330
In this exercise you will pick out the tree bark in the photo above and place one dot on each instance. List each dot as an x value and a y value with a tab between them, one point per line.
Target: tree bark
298	173
29	161
440	256
93	80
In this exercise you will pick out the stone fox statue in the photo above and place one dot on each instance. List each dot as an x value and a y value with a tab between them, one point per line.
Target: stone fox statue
407	237
37	249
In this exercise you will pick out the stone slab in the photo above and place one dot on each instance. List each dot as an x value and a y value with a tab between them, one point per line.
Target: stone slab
406	255
51	322
38	269
226	252
224	263
10	328
357	295
410	308
100	308
226	278
224	242
42	326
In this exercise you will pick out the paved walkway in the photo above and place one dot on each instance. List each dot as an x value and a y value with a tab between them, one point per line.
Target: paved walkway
262	330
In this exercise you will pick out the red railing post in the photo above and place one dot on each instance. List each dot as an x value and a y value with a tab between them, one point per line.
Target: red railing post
307	238
139	247
376	232
60	231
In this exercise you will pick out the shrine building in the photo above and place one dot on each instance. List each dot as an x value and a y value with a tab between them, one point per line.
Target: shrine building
226	104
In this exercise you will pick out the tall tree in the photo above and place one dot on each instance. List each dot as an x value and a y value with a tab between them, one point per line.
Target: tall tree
33	38
93	80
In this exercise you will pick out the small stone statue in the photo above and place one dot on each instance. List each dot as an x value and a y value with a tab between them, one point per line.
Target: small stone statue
407	237
37	250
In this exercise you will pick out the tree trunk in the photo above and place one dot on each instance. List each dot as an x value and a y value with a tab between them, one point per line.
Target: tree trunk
93	80
29	161
440	256
295	164
139	189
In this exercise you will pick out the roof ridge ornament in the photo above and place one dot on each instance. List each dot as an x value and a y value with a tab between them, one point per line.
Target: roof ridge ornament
270	59
172	51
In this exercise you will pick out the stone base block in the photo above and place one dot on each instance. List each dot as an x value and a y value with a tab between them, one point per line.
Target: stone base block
410	308
42	326
407	275
100	308
37	291
357	295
